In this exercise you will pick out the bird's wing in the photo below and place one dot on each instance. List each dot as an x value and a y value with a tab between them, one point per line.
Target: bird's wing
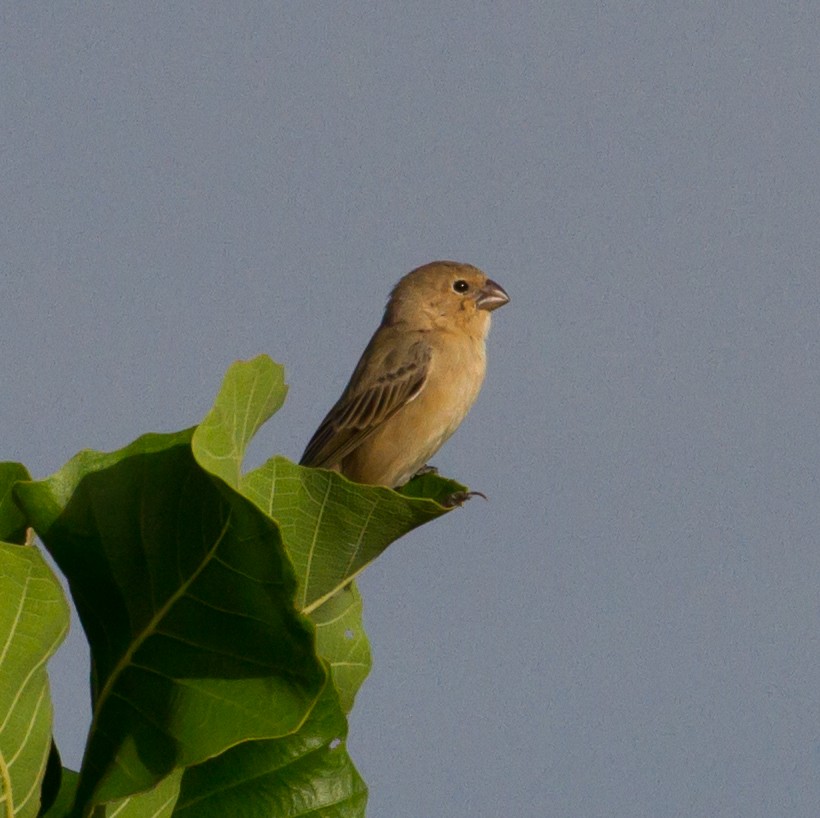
377	390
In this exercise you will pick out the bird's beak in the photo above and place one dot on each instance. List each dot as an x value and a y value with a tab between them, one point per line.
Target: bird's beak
492	296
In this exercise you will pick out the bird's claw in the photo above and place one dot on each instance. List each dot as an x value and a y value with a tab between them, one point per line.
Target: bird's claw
459	498
425	469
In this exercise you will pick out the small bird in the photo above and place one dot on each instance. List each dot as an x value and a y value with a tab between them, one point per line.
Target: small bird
416	380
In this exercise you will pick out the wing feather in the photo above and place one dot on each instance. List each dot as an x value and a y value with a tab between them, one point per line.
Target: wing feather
377	390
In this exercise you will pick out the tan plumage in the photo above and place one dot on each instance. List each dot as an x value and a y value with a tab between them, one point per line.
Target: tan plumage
416	380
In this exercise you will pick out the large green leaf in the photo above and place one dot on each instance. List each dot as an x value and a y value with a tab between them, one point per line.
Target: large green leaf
333	528
33	622
306	774
186	597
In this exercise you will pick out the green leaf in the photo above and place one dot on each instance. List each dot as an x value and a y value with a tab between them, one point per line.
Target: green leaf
341	640
251	392
157	802
307	774
431	486
332	527
12	520
61	808
186	597
33	622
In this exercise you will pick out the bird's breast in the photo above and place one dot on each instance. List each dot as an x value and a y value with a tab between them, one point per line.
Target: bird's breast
405	442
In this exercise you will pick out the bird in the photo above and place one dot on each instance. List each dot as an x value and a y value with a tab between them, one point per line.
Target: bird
416	379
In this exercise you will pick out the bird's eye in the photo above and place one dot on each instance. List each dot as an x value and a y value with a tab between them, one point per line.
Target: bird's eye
461	286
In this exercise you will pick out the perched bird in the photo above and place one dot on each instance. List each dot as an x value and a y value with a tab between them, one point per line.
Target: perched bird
416	380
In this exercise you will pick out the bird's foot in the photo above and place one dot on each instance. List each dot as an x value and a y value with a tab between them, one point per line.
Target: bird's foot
459	498
425	469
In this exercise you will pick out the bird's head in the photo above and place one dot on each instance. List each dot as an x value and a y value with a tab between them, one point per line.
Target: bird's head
445	295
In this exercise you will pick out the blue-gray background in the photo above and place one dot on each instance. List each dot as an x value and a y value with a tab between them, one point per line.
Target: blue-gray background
630	625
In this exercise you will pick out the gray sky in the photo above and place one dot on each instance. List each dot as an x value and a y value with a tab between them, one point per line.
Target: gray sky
630	625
